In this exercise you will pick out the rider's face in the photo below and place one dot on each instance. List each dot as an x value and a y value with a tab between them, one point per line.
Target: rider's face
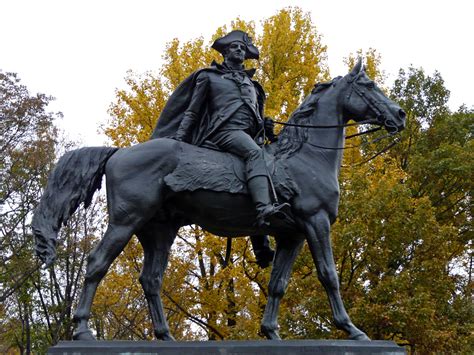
236	52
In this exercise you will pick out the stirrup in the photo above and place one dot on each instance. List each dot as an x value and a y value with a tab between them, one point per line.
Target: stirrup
269	211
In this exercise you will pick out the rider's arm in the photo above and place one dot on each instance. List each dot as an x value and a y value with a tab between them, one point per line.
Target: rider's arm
191	115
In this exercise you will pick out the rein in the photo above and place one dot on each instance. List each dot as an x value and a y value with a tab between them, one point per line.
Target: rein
371	121
365	132
347	137
375	140
396	141
383	150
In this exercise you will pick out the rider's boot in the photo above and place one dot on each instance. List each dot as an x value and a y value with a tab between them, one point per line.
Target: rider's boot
260	191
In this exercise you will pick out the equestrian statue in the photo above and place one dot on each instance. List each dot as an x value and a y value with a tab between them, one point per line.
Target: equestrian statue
207	164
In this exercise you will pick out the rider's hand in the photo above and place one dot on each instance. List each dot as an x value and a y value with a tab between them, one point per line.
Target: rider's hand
269	126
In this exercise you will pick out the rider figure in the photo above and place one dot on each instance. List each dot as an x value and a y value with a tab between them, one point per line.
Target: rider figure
233	116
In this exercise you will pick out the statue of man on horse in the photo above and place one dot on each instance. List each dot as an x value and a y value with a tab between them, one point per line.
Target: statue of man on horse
221	108
156	187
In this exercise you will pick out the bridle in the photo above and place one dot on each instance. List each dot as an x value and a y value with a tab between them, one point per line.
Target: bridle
379	121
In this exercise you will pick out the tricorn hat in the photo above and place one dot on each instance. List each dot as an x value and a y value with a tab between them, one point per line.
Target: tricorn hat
221	44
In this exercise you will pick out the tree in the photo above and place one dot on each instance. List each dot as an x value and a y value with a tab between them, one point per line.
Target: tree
423	98
135	112
293	59
419	233
36	305
27	143
372	61
437	154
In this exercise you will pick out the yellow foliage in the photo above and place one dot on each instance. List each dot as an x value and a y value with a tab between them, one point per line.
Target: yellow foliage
372	60
183	59
134	114
292	60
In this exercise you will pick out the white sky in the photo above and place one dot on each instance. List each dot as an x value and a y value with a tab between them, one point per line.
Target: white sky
79	51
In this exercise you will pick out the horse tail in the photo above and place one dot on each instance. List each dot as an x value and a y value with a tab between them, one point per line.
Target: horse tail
74	180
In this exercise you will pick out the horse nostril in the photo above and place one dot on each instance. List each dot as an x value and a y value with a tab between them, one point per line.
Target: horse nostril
402	114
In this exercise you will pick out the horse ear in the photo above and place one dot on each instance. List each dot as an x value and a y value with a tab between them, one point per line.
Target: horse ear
357	68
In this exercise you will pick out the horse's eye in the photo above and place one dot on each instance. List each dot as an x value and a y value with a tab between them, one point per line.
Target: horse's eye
371	85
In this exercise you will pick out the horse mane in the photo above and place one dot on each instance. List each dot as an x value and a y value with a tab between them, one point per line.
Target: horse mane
291	139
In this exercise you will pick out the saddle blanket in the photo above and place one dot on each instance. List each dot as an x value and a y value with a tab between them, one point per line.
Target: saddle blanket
202	168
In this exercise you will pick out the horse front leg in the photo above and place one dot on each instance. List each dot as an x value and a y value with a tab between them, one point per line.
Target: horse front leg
287	250
318	237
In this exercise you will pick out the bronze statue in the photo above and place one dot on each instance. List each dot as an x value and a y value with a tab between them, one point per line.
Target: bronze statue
158	186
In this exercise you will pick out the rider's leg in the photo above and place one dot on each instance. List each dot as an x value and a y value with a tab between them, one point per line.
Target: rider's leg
262	250
259	190
241	144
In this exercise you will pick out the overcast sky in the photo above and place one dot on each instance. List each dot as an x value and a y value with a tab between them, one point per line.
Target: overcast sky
79	51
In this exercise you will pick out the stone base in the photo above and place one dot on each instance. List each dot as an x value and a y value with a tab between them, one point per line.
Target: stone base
263	347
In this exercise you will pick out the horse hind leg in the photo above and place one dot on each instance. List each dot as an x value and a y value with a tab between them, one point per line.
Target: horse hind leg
286	252
156	239
114	241
318	237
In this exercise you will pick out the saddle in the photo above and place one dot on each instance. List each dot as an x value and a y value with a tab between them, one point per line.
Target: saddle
208	169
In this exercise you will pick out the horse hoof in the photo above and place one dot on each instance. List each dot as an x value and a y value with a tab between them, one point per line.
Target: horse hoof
83	335
360	337
270	334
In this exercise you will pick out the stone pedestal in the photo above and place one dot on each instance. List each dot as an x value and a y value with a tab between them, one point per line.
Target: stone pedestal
263	347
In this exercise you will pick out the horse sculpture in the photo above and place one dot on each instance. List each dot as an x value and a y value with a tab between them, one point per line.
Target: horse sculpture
141	203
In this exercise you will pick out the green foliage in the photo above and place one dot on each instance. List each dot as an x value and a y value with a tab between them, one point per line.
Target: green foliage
404	237
421	95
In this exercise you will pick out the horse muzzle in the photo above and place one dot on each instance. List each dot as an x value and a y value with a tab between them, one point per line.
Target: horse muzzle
396	123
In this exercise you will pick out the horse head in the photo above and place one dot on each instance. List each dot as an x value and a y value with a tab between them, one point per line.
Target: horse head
364	100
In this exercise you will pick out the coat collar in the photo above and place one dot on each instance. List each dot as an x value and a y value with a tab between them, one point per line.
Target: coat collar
224	68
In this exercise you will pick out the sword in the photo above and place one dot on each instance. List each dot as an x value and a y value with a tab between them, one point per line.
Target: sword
272	185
